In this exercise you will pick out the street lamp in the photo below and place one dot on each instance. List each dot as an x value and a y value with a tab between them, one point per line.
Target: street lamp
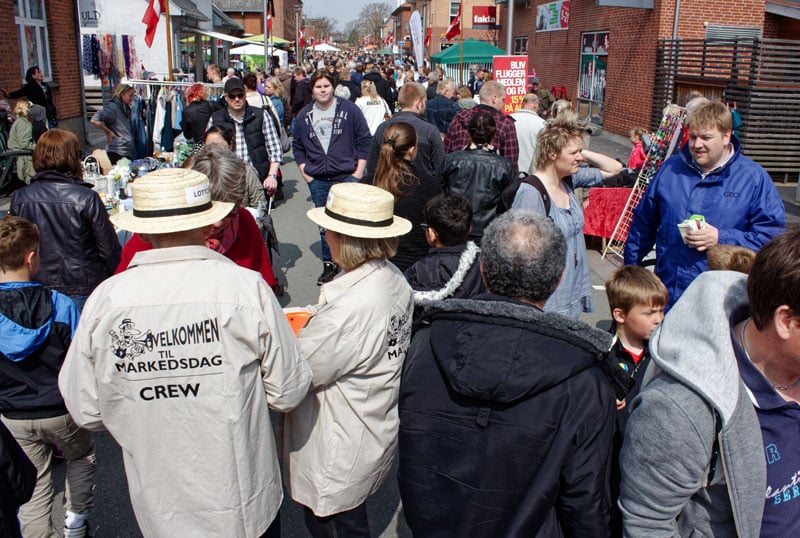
297	46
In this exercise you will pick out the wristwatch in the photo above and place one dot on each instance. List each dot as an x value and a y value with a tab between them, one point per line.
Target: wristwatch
273	175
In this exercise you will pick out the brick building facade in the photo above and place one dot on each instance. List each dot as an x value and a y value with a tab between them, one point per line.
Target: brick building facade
560	57
64	73
250	14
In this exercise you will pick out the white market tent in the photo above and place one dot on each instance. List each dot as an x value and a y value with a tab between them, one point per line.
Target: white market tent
324	47
253	49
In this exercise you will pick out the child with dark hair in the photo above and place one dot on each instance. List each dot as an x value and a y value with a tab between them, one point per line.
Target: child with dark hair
451	268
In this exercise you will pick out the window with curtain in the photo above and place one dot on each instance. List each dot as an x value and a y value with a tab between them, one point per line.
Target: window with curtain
31	21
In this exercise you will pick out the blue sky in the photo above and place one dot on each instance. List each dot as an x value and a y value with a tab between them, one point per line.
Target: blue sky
343	11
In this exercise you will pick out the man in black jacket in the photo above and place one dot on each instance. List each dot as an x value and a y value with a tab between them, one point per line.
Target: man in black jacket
257	135
505	420
430	148
301	94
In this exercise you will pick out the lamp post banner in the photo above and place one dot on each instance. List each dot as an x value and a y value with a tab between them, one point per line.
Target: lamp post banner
415	26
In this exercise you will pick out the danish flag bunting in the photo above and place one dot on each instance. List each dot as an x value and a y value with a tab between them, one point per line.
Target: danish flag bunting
154	10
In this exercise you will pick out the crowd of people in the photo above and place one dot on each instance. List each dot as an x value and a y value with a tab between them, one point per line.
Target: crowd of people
447	332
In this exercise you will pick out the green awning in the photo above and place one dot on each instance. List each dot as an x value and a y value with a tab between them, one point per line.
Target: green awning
275	40
474	52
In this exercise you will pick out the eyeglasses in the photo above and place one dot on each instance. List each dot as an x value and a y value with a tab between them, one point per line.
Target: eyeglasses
236	96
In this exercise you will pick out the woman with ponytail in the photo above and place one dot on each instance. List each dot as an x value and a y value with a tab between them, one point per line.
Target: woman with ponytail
412	186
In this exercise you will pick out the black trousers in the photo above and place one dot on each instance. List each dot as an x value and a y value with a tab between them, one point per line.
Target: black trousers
350	524
274	529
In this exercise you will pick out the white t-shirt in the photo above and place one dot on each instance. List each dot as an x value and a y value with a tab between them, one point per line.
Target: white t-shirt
374	110
322	123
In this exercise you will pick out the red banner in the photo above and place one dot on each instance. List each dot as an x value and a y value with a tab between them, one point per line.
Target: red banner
484	17
511	72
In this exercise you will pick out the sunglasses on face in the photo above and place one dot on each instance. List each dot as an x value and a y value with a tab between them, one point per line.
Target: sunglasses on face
236	96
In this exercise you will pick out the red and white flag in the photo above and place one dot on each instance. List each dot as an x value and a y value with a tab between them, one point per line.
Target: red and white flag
427	42
154	10
455	26
390	39
270	15
300	39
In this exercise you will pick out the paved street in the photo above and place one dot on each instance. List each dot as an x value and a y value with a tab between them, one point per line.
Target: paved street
298	266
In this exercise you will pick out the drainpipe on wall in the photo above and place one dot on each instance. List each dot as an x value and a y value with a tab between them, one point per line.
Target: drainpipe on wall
77	18
674	60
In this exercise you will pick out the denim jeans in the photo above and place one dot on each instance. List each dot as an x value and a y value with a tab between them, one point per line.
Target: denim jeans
350	524
319	195
36	437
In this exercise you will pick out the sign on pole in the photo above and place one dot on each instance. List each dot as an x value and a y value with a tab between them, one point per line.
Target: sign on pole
511	72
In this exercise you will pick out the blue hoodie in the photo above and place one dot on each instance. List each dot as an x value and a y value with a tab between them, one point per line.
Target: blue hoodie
36	328
350	142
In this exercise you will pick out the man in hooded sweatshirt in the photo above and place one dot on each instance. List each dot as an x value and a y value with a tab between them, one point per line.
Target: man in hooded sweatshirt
711	445
505	419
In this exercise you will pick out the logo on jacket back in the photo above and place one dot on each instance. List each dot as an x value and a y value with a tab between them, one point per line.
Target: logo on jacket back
130	343
140	348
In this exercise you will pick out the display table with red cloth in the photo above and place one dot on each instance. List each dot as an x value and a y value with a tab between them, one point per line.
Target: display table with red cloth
603	210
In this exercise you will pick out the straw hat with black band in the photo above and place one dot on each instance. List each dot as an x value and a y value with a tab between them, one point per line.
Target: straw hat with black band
360	210
171	200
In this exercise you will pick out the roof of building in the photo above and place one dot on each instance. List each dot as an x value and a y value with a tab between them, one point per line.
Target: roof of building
221	20
189	9
240	5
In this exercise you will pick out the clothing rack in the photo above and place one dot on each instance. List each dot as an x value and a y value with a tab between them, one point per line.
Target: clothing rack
183	84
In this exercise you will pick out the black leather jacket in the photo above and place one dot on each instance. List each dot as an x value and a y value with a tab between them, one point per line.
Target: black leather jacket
78	248
195	119
480	176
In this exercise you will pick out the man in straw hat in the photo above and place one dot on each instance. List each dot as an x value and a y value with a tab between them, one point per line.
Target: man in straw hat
180	358
505	419
340	441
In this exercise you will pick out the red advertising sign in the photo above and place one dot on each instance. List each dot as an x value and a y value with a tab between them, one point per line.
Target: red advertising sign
484	17
511	72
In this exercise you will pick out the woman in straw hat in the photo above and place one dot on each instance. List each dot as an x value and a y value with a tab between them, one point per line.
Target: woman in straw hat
79	248
340	441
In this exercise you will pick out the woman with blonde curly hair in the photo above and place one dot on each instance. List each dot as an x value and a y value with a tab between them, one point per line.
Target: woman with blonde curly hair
555	163
373	106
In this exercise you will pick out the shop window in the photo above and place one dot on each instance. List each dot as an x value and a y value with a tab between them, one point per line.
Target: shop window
592	80
521	45
454	10
31	21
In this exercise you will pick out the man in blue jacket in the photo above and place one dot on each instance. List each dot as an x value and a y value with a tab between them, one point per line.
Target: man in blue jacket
331	145
710	177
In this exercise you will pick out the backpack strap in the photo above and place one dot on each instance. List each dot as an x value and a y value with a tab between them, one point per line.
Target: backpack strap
537	184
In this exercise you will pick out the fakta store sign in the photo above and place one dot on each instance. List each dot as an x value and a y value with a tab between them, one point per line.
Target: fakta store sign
484	17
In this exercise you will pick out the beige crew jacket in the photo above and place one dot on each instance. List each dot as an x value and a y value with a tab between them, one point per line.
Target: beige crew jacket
339	443
180	358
